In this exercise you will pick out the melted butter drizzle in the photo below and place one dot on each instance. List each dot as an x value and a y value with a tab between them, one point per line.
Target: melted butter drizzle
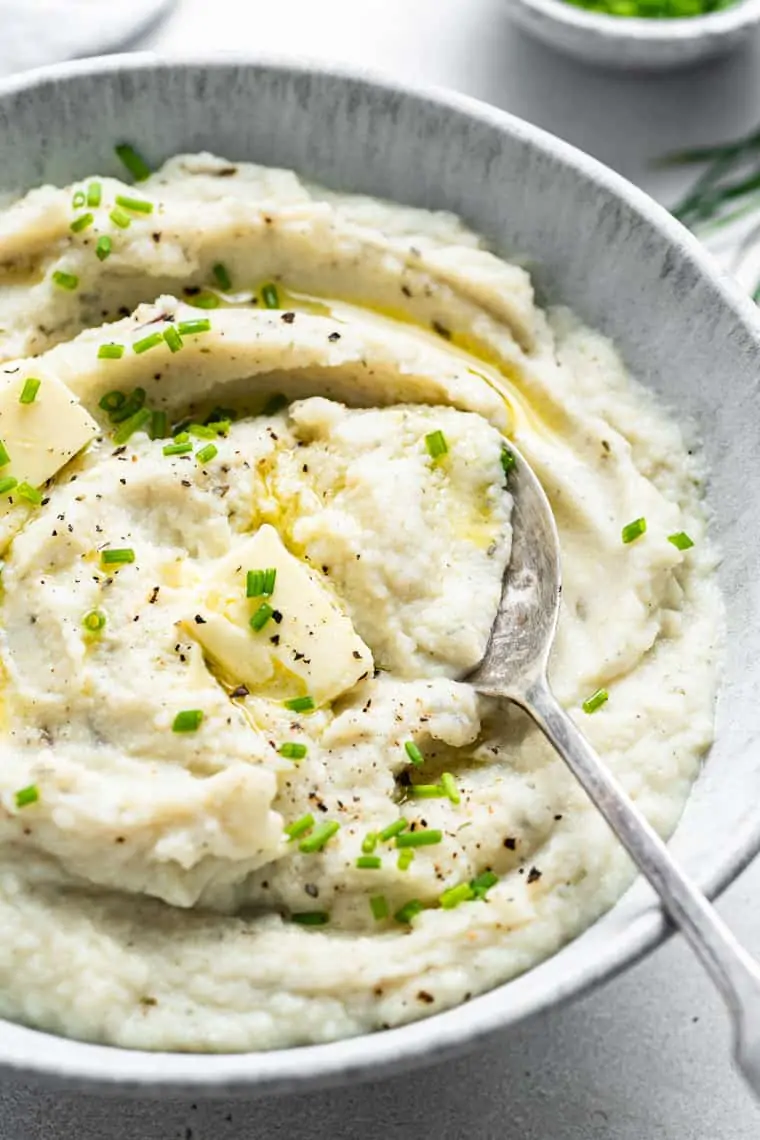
480	360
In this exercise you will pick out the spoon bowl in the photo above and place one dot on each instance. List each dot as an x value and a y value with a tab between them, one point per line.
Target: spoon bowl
517	654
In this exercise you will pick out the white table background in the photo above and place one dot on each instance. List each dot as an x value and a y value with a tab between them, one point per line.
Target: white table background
647	1057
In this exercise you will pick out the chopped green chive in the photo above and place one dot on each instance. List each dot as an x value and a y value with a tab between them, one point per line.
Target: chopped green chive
30	493
378	904
4	456
128	427
112	401
405	859
192	328
369	862
319	837
158	425
120	218
291	750
205	300
223	279
132	404
221	415
393	829
414	753
65	280
452	897
449	786
30	390
182	437
189	720
595	701
177	448
219	427
427	791
634	530
201	431
260	583
110	352
260	618
103	248
79	200
300	704
300	826
508	461
681	540
424	838
8	484
134	162
482	883
148	342
409	911
94	194
369	843
436	444
660	9
172	338
117	557
94	621
270	296
27	796
310	918
81	223
136	205
207	453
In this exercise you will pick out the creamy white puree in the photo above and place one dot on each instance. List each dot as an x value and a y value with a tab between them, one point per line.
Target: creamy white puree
147	894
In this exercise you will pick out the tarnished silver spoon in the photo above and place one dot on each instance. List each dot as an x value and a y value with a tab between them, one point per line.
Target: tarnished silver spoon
515	667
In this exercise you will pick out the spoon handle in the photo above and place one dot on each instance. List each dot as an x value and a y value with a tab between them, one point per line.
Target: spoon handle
730	966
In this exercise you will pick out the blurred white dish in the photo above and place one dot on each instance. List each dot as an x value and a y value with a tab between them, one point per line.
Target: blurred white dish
37	32
622	42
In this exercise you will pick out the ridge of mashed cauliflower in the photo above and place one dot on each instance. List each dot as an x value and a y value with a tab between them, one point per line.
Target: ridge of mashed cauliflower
254	521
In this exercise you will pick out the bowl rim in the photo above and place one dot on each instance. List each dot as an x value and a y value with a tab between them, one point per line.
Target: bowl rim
96	1067
678	30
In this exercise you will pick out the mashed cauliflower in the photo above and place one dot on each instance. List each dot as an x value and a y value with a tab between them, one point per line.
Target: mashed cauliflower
254	517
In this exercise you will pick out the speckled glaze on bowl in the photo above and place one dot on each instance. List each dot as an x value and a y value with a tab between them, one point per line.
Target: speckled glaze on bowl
632	44
593	241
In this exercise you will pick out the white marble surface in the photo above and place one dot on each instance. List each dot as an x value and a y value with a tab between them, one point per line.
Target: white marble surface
647	1057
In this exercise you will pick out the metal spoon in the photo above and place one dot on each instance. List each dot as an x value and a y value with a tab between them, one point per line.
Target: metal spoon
515	666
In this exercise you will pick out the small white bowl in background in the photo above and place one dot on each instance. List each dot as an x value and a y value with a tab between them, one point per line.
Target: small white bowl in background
627	42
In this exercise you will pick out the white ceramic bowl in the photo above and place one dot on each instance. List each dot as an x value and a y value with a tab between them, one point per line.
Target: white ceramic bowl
593	241
622	42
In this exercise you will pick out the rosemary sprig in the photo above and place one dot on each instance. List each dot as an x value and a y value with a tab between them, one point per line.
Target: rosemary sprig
712	191
727	190
698	154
